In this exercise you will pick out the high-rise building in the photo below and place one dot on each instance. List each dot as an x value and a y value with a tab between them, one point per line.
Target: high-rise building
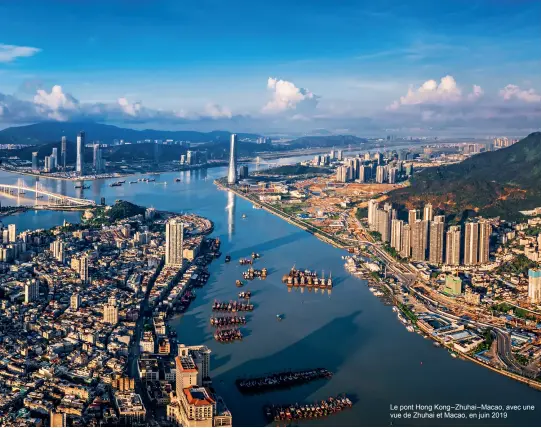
471	244
418	240
381	174
54	158
63	152
58	419
75	302
83	269
396	234
200	355
453	285
31	291
340	155
405	245
57	248
110	312
35	166
534	285
372	209
452	244
485	230
174	235
342	173
243	172
48	164
437	229
12	232
413	215
97	159
364	173
393	173
79	165
232	173
384	224
428	212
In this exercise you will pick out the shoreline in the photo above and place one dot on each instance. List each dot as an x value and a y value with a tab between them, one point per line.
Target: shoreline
532	383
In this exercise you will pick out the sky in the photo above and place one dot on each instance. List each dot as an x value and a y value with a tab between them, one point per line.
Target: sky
447	67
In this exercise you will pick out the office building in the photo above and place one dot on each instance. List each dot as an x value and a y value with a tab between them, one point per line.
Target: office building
97	159
58	419
534	286
35	166
110	312
79	164
342	173
453	285
418	240
174	235
428	212
384	224
396	234
405	244
372	208
437	230
471	244
54	158
75	302
243	172
232	173
452	244
12	232
485	230
31	291
63	153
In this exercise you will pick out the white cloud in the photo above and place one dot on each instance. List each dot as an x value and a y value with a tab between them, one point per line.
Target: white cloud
217	111
56	104
432	92
476	93
131	109
514	92
286	96
9	53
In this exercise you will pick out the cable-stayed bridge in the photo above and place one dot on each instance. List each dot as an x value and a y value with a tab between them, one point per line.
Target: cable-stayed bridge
44	197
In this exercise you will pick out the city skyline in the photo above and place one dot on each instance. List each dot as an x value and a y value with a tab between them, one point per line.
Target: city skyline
425	69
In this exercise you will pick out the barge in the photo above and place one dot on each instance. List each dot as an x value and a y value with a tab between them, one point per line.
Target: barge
296	412
285	379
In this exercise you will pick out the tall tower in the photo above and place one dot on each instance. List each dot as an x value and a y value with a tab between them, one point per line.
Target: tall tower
413	215
471	244
437	226
97	160
485	230
396	234
83	269
405	249
428	212
63	153
232	174
80	149
174	235
418	240
452	242
35	161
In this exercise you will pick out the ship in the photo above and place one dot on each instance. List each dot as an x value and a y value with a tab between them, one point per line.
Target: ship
255	256
227	258
82	187
239	283
116	184
133	182
244	216
255	273
177	180
245	261
228	335
300	278
245	294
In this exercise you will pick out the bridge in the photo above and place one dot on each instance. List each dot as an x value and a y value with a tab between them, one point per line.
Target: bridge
261	161
55	200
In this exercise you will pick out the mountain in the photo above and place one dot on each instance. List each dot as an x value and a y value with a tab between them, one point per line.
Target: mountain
325	141
46	132
498	183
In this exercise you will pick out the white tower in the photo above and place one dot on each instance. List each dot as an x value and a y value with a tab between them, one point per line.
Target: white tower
232	175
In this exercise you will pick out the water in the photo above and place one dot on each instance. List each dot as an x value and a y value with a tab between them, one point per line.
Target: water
347	331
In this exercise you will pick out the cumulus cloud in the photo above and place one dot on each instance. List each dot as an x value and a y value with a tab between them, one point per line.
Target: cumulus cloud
432	92
9	53
511	92
56	104
476	93
287	96
217	111
131	109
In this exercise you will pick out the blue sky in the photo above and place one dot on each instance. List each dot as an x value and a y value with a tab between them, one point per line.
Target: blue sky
343	65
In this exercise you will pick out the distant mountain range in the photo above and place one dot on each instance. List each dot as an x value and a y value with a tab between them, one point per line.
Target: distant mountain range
499	183
47	132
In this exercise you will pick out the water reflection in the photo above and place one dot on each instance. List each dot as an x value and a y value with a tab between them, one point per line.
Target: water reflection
230	208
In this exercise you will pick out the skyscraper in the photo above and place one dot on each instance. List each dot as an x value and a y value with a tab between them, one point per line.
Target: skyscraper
31	291
435	254
174	235
372	208
418	240
405	249
428	213
471	244
342	174
534	285
83	269
381	174
97	159
384	224
63	153
412	216
54	158
232	174
110	312
57	248
80	153
35	161
12	230
452	243
485	230
396	234
75	302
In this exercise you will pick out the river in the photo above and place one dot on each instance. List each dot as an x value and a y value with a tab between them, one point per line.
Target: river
348	331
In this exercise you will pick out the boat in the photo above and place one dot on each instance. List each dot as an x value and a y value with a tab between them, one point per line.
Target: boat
453	355
116	184
244	216
410	328
177	180
227	258
245	294
285	379
122	182
239	283
228	335
295	412
82	187
255	256
133	182
279	317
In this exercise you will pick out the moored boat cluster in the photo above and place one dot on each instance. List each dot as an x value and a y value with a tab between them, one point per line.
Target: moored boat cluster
308	411
232	306
306	278
224	321
284	379
228	335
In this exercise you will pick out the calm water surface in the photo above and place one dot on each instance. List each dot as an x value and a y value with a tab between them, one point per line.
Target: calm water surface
348	331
